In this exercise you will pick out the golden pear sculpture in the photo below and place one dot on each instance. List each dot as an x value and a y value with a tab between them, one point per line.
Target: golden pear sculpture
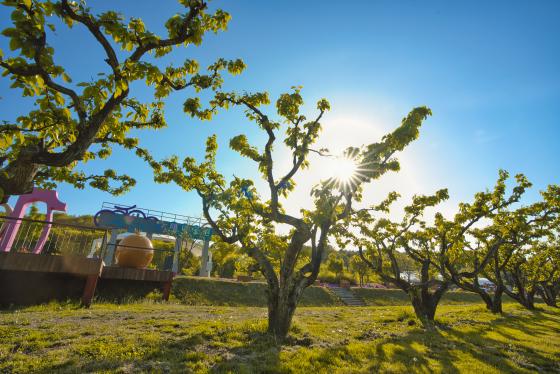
134	251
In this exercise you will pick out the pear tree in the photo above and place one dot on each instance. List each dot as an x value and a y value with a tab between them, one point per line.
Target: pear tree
437	247
520	246
72	122
239	213
548	282
360	268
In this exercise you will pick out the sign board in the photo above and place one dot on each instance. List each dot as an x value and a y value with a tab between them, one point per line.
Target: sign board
112	220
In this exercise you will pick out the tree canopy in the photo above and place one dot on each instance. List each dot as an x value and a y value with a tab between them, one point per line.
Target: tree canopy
73	122
437	247
238	213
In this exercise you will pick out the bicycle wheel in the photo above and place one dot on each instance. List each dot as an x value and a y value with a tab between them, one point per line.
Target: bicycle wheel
137	213
102	211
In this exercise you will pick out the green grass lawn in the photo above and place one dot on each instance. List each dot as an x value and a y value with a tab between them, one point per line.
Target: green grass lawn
208	291
173	337
220	292
386	297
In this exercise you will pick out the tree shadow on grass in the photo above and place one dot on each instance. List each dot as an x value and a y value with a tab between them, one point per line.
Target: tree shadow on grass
521	323
178	355
250	351
540	319
453	348
401	350
412	352
505	356
259	354
449	349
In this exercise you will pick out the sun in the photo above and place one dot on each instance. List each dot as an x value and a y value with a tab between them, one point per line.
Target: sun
343	169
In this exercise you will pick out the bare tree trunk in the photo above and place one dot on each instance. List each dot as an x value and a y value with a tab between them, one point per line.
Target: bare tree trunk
529	302
424	310
524	297
493	302
487	300
18	176
425	303
282	304
526	291
549	293
497	300
529	299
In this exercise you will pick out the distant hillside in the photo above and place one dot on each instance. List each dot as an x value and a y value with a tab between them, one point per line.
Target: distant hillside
85	220
209	291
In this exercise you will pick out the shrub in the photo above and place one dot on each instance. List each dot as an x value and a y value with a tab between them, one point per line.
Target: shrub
326	276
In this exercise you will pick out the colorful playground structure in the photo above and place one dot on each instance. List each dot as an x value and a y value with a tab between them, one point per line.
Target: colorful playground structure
10	228
116	218
41	260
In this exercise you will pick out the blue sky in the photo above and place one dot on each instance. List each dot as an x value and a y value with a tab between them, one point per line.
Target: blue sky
489	71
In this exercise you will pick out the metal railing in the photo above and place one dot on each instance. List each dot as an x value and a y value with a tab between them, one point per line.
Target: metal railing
66	239
163	216
29	236
162	260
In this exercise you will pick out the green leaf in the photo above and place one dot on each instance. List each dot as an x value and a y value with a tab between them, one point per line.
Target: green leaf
40	82
59	99
14	44
5	141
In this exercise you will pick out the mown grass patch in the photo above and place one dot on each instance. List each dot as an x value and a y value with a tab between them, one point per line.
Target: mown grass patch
208	291
219	292
383	297
158	337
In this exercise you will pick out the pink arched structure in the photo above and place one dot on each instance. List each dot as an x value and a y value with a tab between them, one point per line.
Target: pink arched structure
8	213
38	195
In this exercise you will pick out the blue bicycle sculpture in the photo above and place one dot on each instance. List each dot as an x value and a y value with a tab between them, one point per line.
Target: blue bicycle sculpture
130	211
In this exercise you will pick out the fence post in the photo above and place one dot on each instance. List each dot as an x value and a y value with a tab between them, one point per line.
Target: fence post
204	271
111	247
176	252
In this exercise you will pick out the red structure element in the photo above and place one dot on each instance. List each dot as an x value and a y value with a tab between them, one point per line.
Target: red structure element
89	289
38	195
167	289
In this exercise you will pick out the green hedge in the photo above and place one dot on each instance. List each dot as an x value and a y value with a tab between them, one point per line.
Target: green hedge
208	291
389	297
220	292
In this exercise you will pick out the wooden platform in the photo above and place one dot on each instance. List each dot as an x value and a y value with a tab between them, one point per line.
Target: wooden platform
115	272
27	278
75	265
118	283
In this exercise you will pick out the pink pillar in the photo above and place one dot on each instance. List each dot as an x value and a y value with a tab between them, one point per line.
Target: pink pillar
38	195
45	233
8	212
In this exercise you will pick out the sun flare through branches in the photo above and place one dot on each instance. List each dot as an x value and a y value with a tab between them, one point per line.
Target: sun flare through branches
343	170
